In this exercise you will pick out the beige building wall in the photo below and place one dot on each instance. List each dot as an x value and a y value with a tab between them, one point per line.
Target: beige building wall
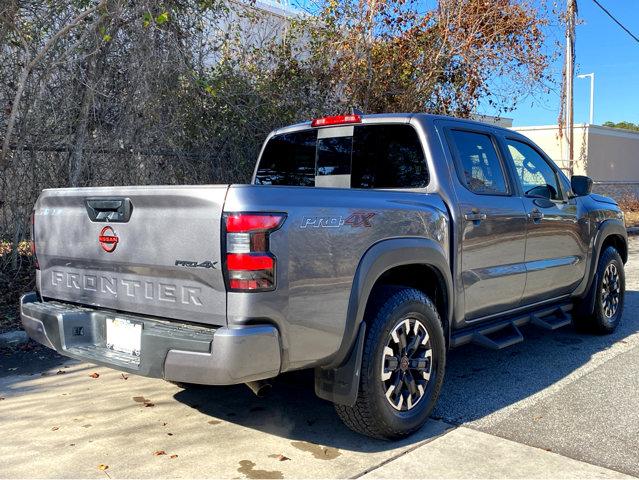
613	154
610	156
547	137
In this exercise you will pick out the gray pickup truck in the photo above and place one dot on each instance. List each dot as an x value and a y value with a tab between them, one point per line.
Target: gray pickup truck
365	248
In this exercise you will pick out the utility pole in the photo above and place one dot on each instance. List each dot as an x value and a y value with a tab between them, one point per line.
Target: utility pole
571	11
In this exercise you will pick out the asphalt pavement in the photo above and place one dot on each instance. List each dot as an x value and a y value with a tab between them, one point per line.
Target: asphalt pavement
561	404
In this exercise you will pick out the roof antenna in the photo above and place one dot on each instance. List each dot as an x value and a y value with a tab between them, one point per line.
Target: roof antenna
356	110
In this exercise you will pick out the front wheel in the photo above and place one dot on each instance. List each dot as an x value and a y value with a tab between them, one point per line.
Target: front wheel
402	366
608	290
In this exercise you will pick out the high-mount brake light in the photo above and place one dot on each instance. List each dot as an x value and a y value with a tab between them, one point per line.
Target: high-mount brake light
32	242
336	120
250	266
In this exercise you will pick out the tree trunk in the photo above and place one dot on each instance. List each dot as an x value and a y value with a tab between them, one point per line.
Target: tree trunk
29	66
76	159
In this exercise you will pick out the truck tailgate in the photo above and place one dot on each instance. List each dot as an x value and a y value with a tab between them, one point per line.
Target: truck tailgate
149	250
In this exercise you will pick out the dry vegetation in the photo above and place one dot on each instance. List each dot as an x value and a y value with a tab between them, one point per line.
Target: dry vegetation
113	92
629	204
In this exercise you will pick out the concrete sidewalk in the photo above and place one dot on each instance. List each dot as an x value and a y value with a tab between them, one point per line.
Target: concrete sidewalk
553	406
468	453
65	425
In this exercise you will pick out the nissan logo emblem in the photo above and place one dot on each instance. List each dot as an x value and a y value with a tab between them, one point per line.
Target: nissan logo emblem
108	239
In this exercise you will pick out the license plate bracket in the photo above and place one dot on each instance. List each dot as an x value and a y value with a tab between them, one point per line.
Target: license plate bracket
123	336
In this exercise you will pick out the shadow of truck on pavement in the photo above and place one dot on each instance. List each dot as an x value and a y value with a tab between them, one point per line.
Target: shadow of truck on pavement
478	382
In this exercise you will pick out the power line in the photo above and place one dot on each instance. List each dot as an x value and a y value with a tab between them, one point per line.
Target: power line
616	21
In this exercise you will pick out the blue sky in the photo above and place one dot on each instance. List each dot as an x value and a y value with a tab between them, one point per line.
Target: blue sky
604	48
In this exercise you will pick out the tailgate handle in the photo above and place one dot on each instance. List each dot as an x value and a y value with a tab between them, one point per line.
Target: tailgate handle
109	209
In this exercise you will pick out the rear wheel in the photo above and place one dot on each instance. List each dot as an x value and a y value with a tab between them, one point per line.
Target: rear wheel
606	295
402	366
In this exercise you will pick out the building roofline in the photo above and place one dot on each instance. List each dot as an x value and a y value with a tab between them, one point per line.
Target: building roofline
616	132
526	128
272	7
600	129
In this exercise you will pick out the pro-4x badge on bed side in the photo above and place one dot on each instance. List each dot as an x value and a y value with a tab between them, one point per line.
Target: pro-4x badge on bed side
360	219
192	264
108	239
356	219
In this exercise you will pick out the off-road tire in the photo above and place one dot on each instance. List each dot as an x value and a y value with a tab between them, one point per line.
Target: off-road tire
589	313
372	414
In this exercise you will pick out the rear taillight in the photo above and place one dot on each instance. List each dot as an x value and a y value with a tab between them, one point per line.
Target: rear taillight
32	243
250	266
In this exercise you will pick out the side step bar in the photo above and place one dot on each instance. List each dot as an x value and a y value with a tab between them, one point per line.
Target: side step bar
505	332
558	319
503	337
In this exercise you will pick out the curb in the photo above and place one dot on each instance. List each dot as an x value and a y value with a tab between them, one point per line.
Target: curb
13	338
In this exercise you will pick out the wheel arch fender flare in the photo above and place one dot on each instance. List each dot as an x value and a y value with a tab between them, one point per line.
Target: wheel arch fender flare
605	229
339	381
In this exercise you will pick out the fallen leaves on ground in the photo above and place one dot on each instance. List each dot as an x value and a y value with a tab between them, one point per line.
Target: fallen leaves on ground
27	347
124	376
55	428
174	456
280	457
145	401
60	372
157	453
102	467
94	375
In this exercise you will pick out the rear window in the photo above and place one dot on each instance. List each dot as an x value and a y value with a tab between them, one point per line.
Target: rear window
374	156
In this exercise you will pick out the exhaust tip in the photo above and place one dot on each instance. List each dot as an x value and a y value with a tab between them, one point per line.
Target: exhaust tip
260	388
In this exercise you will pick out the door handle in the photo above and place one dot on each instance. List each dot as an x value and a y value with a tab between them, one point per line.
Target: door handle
536	215
109	209
475	216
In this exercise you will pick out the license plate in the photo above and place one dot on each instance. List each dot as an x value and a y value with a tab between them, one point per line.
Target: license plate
123	336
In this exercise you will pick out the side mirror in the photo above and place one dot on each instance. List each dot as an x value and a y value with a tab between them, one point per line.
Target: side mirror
581	185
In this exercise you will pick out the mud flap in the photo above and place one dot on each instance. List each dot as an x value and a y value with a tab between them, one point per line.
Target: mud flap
341	385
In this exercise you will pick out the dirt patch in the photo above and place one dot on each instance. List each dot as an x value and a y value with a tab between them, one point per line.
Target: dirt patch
248	468
144	401
319	452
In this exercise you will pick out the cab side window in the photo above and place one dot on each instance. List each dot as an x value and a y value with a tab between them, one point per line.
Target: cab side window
478	165
537	177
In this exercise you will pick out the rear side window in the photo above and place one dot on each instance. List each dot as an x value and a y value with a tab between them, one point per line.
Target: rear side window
289	159
478	164
388	156
374	156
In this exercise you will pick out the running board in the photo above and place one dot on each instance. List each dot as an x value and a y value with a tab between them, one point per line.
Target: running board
502	333
553	321
503	337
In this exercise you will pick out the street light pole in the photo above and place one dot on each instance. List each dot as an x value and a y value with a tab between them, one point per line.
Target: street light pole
592	94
